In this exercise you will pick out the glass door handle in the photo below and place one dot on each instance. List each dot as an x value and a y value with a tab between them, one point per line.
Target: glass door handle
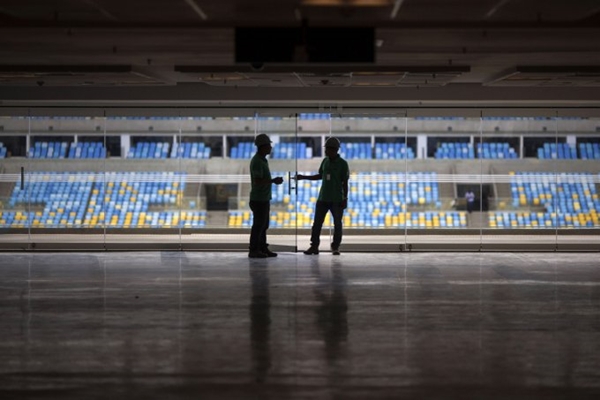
22	178
290	183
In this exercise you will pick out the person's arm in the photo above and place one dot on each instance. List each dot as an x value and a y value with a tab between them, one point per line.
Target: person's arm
345	192
267	181
315	177
258	173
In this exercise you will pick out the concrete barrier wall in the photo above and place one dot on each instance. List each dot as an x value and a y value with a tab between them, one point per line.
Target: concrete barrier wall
219	166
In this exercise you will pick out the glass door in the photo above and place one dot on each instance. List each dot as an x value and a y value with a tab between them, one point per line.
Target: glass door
444	170
577	202
518	190
139	202
377	149
66	150
15	204
285	216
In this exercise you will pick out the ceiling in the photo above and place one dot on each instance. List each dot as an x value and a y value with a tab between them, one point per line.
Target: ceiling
496	47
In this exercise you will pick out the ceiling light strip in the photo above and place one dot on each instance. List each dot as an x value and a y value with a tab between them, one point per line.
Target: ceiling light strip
397	5
101	10
496	8
197	9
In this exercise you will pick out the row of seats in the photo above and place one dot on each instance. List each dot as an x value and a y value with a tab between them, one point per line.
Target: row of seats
552	151
564	151
38	219
589	151
246	150
87	150
349	151
564	193
121	199
196	150
486	150
118	199
383	151
377	200
49	150
243	150
459	150
393	151
149	150
564	200
142	150
385	189
290	151
426	220
152	150
507	220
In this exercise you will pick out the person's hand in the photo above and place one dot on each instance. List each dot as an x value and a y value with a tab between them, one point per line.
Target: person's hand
298	177
278	180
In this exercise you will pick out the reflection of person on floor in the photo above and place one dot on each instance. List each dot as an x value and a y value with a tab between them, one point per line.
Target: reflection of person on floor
260	198
260	321
470	197
332	312
333	196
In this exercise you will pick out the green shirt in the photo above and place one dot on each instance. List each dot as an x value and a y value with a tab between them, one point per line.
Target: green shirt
334	173
259	168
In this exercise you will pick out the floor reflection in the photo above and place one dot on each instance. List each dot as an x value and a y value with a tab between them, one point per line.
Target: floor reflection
332	310
260	321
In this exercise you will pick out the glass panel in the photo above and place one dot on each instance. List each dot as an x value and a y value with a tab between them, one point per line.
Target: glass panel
143	182
518	186
282	233
438	179
377	150
15	210
66	156
577	203
94	180
313	129
212	181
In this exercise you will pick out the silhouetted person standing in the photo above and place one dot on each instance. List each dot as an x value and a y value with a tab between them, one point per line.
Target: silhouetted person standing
260	197
470	197
333	196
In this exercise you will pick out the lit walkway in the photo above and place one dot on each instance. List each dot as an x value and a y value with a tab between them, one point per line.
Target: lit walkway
197	325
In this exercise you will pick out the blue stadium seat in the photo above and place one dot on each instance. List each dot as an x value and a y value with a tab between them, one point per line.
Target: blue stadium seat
553	151
49	150
149	150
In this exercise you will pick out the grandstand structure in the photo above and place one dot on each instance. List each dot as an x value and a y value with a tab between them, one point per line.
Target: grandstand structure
190	175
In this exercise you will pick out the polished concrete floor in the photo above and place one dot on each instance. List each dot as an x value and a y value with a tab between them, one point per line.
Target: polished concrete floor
196	325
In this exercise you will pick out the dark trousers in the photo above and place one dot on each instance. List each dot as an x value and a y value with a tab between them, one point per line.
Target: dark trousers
258	235
470	206
320	212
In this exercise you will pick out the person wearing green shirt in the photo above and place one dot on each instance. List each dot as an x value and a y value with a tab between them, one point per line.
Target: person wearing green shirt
333	196
260	197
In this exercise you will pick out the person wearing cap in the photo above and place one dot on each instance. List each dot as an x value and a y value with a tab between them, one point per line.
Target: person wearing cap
333	195
260	197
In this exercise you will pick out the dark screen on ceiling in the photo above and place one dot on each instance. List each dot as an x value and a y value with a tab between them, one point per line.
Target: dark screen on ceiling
319	45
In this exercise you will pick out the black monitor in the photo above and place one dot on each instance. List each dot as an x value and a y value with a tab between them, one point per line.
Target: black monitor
311	45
